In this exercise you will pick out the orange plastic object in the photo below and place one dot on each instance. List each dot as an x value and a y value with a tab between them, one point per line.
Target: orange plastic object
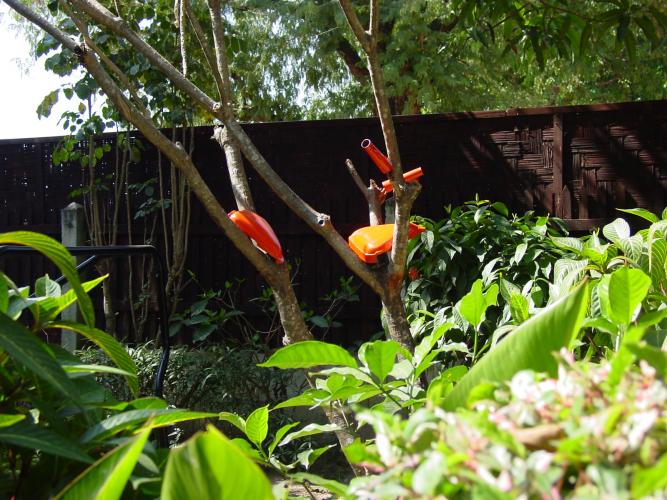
409	176
256	227
369	242
380	160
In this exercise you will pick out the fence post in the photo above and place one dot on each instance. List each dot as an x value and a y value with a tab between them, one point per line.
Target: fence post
73	233
562	203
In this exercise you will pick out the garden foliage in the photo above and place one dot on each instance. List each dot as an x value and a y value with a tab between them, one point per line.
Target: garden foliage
567	400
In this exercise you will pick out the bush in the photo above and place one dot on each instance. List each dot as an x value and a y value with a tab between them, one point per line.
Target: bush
575	435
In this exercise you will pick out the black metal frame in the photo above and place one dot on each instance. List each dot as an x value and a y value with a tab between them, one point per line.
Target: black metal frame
96	253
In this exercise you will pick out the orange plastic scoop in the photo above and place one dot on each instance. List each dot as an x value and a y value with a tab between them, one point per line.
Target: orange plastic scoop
256	228
409	176
369	242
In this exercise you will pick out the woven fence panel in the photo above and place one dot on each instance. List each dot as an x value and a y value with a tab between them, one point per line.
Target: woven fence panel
580	163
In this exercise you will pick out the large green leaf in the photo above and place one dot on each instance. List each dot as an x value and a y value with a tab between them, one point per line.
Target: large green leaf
27	350
10	419
35	437
59	255
109	345
308	354
257	425
616	231
640	212
133	419
107	477
529	346
474	304
651	479
210	467
627	289
380	357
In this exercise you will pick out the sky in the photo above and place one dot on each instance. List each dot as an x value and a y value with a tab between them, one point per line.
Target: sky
21	90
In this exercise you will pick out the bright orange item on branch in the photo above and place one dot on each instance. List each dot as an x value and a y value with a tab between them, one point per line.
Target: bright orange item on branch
369	242
256	228
409	176
380	160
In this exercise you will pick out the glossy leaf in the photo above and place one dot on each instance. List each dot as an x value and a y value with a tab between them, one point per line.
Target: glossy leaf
210	467
27	350
308	430
640	212
380	357
616	231
107	477
627	289
59	255
308	354
130	420
529	346
109	345
51	307
35	437
257	425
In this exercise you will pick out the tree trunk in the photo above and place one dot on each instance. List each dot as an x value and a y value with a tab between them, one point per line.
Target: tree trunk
397	323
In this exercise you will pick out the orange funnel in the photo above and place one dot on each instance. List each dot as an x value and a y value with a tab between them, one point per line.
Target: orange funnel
369	242
256	228
380	160
410	176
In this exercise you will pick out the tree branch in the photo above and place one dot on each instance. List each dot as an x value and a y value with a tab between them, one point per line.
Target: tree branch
372	193
358	30
320	223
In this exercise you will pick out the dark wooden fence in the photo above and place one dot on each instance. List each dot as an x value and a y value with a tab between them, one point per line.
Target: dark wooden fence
579	163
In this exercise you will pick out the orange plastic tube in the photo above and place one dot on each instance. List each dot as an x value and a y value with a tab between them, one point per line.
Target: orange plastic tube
380	160
369	242
409	176
256	228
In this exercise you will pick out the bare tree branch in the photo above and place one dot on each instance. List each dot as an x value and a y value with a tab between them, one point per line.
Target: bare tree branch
372	194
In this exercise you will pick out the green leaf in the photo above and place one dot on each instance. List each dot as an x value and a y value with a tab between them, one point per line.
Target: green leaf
109	345
529	346
46	287
280	434
59	255
80	368
233	419
308	354
107	477
640	212
429	474
257	425
568	243
519	308
210	467
474	304
133	419
51	307
632	247
380	357
7	420
28	351
651	479
308	430
627	288
584	39
616	231
44	108
306	398
4	294
35	437
310	456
